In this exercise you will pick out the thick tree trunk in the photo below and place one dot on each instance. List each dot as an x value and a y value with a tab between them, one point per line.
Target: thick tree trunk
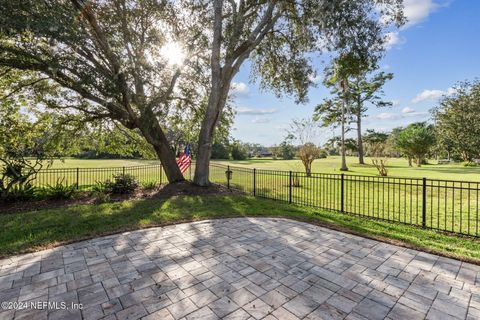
222	77
169	164
409	161
359	138
308	169
154	135
343	149
202	164
214	106
419	162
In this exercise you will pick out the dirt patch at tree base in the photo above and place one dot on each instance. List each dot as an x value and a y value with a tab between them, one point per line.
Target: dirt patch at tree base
184	188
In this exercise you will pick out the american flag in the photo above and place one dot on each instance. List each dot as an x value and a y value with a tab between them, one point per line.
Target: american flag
185	159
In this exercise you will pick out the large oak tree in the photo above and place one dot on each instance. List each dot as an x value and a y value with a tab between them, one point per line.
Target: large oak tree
278	37
457	121
106	55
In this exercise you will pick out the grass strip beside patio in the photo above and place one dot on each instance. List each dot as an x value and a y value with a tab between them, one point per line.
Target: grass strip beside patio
32	231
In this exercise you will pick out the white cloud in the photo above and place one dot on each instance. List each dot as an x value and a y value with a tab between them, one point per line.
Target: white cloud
451	91
432	94
406	113
239	88
261	120
387	116
428	95
314	78
252	111
395	103
417	11
416	114
407	110
392	39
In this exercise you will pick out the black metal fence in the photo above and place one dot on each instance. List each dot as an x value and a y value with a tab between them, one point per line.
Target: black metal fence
446	205
85	178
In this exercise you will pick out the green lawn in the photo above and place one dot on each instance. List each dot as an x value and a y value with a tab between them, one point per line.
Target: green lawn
451	206
26	232
70	163
397	167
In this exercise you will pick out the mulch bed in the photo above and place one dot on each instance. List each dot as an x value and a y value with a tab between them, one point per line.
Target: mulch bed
184	188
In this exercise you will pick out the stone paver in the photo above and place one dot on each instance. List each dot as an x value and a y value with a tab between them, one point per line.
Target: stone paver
241	268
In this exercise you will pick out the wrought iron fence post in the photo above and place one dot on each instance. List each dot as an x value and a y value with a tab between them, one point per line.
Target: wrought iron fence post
254	182
78	174
161	173
290	187
342	194
123	170
424	202
228	177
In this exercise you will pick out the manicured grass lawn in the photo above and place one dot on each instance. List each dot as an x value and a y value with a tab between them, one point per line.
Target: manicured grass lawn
451	206
397	167
24	232
69	163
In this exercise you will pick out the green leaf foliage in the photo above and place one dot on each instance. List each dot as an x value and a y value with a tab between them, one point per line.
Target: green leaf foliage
458	121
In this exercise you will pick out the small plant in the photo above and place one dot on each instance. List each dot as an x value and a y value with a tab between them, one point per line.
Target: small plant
121	184
150	185
100	192
21	192
60	190
99	186
100	197
470	164
308	153
380	164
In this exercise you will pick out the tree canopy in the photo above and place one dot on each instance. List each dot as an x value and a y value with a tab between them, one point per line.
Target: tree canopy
458	121
416	141
29	140
105	57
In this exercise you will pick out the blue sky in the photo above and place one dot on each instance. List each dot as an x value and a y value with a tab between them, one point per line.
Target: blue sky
438	47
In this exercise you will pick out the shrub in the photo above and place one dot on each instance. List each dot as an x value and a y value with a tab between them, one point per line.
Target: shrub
323	154
21	192
470	164
308	153
239	152
150	185
220	151
287	151
121	184
100	197
60	190
99	186
100	192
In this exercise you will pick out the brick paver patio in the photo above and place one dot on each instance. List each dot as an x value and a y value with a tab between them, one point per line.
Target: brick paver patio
240	269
